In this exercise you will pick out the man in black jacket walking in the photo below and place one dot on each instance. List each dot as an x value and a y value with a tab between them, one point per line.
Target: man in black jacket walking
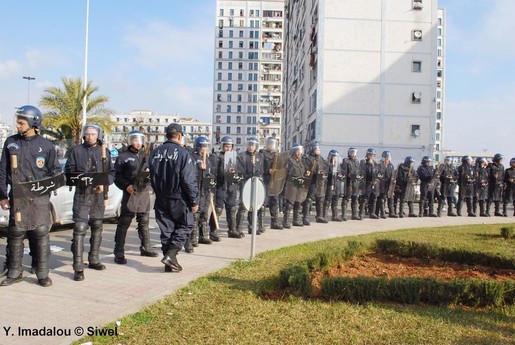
172	175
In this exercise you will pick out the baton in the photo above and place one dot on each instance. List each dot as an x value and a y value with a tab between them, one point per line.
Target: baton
14	165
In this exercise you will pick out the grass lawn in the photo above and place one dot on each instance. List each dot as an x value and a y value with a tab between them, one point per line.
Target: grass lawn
227	308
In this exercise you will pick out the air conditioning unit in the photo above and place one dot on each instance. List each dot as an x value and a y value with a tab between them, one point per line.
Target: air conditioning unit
416	35
416	97
417	5
415	131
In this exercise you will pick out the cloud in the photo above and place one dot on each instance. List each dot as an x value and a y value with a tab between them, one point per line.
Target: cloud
498	27
159	42
190	101
37	58
474	125
9	68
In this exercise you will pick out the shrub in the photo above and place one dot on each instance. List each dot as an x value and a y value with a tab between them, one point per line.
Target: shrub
425	251
507	232
297	278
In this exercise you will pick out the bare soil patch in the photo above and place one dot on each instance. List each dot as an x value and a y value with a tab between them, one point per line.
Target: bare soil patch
391	266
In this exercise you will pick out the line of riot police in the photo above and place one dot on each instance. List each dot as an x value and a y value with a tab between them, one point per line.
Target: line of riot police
351	188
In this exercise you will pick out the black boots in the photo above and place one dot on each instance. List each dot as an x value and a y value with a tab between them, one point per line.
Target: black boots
305	210
170	259
77	248
344	209
119	239
274	218
286	215
231	222
95	240
320	216
410	209
297	221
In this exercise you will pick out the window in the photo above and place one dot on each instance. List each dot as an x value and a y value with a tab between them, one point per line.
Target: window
439	73
228	131
416	97
238	119
241	13
230	45
239	98
229	98
219	76
242	23
416	66
238	109
415	130
219	97
229	119
251	34
240	76
229	76
220	55
238	141
220	33
438	115
221	24
241	33
438	127
231	12
219	87
231	33
238	130
229	65
220	44
221	12
229	87
219	65
240	55
240	65
230	55
240	44
240	87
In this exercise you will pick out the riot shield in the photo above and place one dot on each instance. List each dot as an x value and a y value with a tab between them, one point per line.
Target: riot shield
27	190
410	186
434	179
139	200
230	167
360	178
391	186
278	174
87	179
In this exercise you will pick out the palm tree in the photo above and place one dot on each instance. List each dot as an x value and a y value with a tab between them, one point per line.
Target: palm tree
66	106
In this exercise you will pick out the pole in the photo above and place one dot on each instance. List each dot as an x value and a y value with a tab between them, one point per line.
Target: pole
28	87
253	203
84	106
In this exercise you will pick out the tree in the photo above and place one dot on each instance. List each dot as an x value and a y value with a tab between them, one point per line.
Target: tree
65	106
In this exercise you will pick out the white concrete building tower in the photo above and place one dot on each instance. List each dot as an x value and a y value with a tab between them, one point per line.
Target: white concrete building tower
440	87
361	74
247	96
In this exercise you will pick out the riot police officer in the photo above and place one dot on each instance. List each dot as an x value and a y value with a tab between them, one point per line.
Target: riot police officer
350	170
467	185
172	176
270	156
426	175
88	201
250	164
406	180
206	182
448	180
509	191
132	177
334	186
369	184
481	192
227	186
495	184
297	175
386	175
28	158
316	188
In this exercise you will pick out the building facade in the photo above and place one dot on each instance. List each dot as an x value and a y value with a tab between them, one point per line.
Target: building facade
5	131
247	90
154	127
361	74
439	155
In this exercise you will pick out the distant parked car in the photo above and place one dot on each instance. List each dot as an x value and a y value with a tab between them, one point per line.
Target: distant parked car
62	205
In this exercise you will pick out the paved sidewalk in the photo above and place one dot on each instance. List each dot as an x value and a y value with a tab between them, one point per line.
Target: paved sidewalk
106	296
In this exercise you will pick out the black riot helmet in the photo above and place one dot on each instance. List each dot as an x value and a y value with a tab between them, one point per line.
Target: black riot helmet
31	114
352	152
498	158
271	144
426	160
466	160
409	160
370	152
386	155
314	149
97	128
480	160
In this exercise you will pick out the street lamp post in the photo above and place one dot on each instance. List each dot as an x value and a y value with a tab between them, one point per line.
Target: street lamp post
28	87
85	100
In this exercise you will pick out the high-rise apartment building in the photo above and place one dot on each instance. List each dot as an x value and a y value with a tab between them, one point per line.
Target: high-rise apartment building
249	51
363	74
440	87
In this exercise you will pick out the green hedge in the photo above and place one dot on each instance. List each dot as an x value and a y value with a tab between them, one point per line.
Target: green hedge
470	292
299	277
426	251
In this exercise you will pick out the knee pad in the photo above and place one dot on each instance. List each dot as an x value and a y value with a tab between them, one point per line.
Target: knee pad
96	224
80	228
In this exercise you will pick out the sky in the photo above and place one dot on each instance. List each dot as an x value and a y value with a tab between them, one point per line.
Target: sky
158	55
